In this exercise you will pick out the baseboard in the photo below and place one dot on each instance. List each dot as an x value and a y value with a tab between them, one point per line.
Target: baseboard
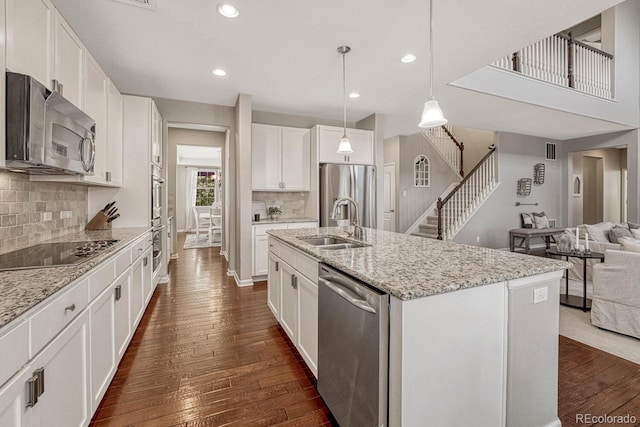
242	283
231	272
225	255
174	256
554	423
164	280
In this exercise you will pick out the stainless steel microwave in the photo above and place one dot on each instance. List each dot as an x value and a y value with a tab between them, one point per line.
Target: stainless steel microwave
46	133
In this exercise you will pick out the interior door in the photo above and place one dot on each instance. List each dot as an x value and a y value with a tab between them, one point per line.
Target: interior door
390	197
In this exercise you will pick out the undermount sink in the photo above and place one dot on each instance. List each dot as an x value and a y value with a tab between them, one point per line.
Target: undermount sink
331	243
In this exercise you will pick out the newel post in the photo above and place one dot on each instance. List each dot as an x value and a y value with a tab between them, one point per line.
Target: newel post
439	218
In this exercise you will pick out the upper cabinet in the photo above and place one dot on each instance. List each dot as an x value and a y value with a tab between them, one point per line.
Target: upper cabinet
281	158
69	61
96	85
156	136
326	139
115	111
30	38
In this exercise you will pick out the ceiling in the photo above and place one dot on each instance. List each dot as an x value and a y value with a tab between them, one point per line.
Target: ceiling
283	53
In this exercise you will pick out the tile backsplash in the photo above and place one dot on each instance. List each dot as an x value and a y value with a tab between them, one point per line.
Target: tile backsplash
24	205
292	205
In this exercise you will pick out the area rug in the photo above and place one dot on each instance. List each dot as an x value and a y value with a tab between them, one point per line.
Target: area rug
192	243
576	324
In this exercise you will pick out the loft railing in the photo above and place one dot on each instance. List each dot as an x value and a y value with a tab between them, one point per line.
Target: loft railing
447	144
562	60
456	207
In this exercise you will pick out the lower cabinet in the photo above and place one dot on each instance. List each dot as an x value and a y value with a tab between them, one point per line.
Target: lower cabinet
292	296
260	244
64	382
274	286
57	390
289	307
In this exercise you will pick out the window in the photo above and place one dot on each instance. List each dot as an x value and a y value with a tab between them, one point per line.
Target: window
206	183
421	173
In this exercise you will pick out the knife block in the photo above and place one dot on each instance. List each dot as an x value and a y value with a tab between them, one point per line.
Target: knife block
99	222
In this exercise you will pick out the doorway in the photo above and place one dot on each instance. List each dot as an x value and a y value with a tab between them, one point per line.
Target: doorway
593	189
390	197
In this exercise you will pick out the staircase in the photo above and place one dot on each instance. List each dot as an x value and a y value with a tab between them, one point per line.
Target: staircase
452	210
447	146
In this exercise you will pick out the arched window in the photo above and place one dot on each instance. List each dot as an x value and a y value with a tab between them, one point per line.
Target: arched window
421	172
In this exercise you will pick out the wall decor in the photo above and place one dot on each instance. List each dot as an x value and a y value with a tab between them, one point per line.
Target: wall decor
577	185
524	187
538	174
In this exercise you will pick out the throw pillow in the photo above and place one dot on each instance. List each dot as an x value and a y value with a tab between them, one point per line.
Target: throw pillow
636	233
598	232
633	226
617	232
527	220
629	244
540	220
565	241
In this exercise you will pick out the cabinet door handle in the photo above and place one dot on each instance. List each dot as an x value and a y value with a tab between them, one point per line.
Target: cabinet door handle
277	265
294	281
71	307
107	176
145	261
40	383
32	391
118	292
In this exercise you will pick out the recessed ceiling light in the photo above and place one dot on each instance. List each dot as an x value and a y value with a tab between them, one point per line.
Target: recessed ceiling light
219	72
354	95
228	11
408	58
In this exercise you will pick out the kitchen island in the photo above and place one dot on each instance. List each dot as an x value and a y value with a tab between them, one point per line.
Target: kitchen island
473	332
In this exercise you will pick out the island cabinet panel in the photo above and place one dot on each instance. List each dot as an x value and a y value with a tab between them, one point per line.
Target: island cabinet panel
308	322
289	308
274	286
446	358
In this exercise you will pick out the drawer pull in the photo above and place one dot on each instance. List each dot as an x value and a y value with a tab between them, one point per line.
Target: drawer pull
71	307
118	292
145	261
277	266
40	383
32	391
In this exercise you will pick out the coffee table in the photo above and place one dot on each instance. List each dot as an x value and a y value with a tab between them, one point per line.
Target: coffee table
572	300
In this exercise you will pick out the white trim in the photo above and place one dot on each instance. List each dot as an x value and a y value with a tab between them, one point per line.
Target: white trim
441	155
196	126
427	164
242	283
225	255
164	280
416	225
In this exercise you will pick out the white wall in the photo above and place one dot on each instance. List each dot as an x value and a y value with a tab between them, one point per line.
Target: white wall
243	191
517	155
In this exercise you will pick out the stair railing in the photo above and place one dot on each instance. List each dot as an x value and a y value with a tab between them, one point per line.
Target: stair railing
565	61
456	207
442	138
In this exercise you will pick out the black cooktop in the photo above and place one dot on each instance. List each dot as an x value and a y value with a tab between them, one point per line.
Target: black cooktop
53	254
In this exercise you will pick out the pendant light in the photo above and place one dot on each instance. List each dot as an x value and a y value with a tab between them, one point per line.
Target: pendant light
432	114
344	146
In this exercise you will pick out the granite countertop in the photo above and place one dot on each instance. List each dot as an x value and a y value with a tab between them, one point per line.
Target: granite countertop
410	267
21	290
283	220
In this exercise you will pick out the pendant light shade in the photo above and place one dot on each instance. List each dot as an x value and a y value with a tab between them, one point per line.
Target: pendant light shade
432	115
344	146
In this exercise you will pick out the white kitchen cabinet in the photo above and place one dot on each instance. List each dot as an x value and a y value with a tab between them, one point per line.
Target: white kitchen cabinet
68	61
102	345
95	105
30	38
13	401
289	306
273	286
147	275
326	139
266	157
121	314
115	121
308	321
17	339
3	85
260	246
280	158
65	400
156	136
137	292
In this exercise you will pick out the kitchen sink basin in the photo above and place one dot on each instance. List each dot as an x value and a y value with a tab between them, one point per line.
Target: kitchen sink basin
323	241
331	243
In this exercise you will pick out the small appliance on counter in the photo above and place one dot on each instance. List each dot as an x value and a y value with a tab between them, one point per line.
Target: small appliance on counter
103	219
259	210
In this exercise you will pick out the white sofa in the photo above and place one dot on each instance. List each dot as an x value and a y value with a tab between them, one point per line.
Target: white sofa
616	293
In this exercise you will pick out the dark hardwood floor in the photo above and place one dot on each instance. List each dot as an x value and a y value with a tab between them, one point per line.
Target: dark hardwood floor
208	353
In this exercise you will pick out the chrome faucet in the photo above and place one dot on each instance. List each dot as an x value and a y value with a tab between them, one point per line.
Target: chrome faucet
358	231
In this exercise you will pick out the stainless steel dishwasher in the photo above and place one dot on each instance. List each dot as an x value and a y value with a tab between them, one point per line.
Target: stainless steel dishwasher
353	346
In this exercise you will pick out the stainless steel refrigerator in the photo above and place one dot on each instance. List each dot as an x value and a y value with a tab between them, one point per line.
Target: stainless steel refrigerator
355	181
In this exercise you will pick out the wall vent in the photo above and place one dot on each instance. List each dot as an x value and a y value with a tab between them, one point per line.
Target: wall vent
550	148
146	4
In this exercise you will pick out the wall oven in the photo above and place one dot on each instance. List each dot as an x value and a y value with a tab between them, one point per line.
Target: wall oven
156	196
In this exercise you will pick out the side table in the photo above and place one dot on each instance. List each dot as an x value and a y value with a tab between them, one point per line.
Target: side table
572	300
